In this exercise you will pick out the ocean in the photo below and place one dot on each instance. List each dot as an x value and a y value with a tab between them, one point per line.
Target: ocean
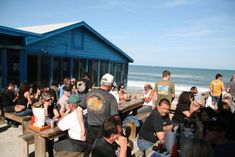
184	78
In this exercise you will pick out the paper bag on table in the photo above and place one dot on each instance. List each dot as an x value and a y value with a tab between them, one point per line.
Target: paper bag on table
40	118
170	140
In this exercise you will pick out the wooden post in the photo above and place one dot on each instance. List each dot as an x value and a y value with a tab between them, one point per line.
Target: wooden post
40	146
132	127
24	148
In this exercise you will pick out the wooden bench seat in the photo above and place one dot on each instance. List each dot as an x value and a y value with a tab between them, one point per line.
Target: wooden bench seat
20	119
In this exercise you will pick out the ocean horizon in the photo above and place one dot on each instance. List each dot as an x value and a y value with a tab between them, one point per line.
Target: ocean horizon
184	78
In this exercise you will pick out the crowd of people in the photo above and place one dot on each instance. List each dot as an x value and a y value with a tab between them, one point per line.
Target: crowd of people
90	115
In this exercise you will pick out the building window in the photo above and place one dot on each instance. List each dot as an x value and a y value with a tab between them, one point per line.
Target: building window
125	71
57	70
112	68
77	38
76	68
32	62
66	67
45	69
82	67
93	71
118	73
104	67
13	65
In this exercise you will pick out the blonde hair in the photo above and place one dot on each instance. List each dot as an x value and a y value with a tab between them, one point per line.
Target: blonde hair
197	148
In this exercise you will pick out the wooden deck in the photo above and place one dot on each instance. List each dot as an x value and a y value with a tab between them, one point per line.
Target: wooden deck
9	140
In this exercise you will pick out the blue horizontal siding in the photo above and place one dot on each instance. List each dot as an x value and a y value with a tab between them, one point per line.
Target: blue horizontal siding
62	45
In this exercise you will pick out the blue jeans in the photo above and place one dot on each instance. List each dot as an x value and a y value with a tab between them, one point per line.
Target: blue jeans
217	100
26	112
143	144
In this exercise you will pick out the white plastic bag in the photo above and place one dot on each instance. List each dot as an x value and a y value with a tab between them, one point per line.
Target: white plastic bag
40	118
210	103
170	140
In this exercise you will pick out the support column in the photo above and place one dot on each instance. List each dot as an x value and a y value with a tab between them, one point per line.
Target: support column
23	66
52	72
71	67
4	67
98	77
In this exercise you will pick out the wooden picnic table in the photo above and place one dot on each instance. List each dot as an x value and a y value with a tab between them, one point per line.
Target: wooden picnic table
40	139
132	105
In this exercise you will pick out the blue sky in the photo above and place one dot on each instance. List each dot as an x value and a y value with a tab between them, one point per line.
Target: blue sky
178	33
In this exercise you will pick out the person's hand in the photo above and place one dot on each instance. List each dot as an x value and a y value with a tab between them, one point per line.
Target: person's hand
83	136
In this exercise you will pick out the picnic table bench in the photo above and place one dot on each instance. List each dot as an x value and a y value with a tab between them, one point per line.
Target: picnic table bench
20	119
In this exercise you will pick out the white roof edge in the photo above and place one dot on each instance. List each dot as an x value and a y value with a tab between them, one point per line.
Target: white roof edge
41	29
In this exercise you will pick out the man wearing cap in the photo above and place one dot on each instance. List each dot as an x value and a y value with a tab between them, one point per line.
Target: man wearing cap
62	103
100	104
76	138
72	104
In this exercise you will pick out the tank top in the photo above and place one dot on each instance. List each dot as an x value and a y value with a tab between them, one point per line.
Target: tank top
22	100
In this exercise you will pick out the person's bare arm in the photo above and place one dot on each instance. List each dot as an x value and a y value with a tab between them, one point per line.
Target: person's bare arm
154	99
79	111
161	136
168	127
56	113
27	96
122	142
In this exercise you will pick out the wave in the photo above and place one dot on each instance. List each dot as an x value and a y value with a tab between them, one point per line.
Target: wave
139	85
151	74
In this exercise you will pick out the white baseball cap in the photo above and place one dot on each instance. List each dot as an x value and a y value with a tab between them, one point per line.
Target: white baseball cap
107	79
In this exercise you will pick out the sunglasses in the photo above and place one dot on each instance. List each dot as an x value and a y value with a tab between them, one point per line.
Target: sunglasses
48	100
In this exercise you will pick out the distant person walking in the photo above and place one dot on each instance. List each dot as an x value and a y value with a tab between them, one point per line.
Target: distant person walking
216	88
231	89
165	88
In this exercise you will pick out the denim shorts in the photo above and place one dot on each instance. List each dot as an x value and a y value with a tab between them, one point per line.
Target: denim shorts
143	144
26	112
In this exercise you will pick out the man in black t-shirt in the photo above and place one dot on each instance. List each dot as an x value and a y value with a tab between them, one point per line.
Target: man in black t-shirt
9	98
111	131
154	127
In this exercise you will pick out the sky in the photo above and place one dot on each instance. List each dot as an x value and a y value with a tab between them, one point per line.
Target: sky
173	33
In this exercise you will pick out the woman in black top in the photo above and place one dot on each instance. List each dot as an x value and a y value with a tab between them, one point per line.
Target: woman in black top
183	112
23	102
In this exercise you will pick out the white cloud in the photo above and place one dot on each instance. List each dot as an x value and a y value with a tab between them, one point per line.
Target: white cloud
218	25
174	3
199	33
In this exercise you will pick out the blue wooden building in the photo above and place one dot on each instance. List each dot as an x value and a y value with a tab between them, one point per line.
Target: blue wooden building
53	52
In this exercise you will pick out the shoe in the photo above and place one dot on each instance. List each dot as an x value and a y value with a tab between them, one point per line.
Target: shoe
14	125
8	122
